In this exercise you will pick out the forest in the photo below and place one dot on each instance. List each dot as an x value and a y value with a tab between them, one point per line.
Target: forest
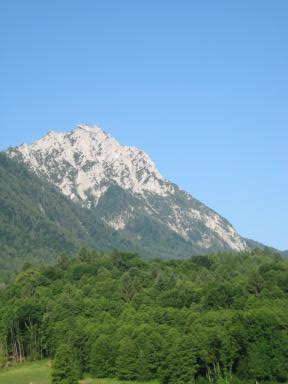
221	318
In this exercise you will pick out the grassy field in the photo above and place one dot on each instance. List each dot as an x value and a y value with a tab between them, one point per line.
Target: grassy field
113	381
27	373
40	373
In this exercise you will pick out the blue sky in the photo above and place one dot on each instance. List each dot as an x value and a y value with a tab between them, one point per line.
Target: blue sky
201	86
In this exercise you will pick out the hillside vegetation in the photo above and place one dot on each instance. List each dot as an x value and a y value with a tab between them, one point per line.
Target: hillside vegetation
209	319
37	222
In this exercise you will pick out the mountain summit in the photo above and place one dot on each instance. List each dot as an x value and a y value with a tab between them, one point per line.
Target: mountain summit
122	186
83	163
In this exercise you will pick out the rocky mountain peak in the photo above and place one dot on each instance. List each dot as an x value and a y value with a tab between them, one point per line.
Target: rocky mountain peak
84	161
125	189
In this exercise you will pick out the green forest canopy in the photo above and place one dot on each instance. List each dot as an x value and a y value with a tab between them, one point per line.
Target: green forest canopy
221	318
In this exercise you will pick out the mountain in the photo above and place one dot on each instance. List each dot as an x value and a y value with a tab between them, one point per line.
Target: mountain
123	191
38	222
253	244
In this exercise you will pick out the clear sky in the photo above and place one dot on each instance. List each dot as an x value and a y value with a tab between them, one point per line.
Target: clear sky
201	86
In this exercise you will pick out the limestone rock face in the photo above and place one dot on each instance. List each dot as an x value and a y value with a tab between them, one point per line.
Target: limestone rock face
124	188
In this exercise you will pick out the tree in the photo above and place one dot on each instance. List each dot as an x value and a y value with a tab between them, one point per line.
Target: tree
190	326
129	286
127	359
102	357
143	366
2	355
181	364
65	369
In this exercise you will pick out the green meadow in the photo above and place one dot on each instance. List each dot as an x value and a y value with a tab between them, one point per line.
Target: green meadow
27	373
40	373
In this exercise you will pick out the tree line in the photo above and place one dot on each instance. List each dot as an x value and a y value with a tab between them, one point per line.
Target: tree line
221	318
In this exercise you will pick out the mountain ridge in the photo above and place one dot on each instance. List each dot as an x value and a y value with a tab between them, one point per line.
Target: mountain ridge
86	162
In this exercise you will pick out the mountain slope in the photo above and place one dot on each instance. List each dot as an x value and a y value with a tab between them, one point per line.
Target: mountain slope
37	222
33	216
121	187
